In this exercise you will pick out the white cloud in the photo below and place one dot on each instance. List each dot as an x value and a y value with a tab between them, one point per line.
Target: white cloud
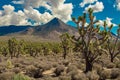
82	4
37	16
97	7
8	9
9	17
117	4
108	21
18	2
63	12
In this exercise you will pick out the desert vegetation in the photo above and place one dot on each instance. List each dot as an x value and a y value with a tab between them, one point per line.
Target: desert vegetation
94	54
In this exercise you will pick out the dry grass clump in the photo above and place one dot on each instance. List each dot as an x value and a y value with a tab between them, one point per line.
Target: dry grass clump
71	67
115	73
79	76
65	78
110	65
16	70
34	72
118	65
105	74
58	71
66	63
7	76
92	75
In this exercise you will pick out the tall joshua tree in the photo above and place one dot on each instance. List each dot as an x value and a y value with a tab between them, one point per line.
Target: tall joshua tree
65	43
90	38
113	46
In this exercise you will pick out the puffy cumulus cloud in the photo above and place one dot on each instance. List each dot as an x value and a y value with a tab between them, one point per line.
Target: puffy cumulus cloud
57	7
97	7
9	17
117	5
63	12
108	21
82	4
8	9
35	15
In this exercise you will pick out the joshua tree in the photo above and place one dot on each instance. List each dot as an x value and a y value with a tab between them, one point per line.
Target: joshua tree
20	48
90	39
12	46
65	43
113	46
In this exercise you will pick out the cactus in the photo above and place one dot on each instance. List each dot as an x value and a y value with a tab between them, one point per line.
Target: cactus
90	39
113	48
12	45
65	43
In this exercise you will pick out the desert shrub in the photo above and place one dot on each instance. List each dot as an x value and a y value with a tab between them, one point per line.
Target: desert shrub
80	66
79	76
32	71
110	65
2	69
54	64
105	74
17	65
6	76
9	64
115	73
97	67
65	62
44	66
64	78
59	70
16	70
71	67
50	78
118	65
47	66
20	77
92	75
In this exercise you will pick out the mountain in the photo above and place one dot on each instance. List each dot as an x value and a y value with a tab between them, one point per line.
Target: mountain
51	30
4	30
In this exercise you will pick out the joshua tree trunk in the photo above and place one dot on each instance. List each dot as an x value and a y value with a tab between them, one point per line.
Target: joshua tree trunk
111	58
88	66
65	53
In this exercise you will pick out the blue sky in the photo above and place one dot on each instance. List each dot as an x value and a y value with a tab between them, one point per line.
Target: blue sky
37	12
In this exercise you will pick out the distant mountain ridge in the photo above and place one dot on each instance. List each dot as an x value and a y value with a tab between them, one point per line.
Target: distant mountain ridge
51	30
4	30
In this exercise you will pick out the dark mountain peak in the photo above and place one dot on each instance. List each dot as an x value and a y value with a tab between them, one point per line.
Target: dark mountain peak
55	21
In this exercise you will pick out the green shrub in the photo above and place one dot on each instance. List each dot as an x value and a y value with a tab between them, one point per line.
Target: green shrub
20	77
9	64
